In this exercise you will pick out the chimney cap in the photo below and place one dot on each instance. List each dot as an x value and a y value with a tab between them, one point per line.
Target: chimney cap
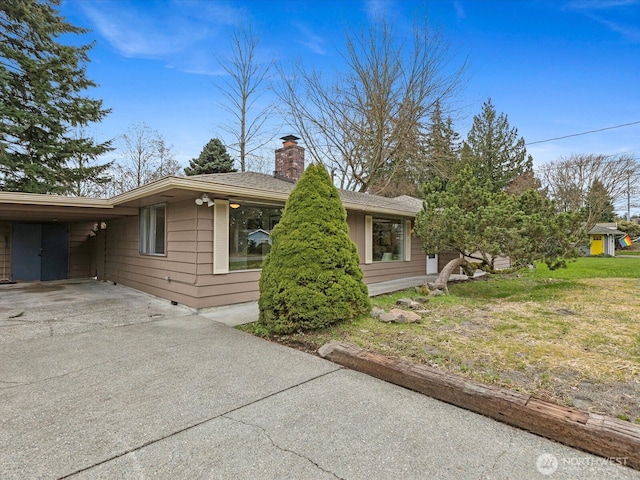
289	138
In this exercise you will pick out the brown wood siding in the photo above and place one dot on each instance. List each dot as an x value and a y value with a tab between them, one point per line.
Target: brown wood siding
446	257
5	250
171	276
185	274
81	248
383	271
99	254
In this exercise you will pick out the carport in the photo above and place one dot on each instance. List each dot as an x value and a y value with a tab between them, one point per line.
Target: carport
48	237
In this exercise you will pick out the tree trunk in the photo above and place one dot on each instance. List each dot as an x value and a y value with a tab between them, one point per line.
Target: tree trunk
449	268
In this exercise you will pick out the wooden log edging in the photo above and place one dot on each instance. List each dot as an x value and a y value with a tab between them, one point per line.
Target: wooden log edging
599	434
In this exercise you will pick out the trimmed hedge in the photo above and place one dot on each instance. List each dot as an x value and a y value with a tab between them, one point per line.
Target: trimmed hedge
311	278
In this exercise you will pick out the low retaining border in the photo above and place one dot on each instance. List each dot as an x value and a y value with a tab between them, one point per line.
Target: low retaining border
599	434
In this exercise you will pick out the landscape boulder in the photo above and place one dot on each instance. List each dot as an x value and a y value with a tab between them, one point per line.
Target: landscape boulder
397	315
409	303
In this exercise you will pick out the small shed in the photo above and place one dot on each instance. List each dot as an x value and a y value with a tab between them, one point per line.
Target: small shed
602	239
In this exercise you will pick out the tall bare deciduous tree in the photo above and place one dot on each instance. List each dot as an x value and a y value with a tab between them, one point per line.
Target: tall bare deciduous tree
569	180
166	160
243	89
138	149
144	156
366	124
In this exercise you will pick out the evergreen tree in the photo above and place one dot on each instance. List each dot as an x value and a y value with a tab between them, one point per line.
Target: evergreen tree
494	151
213	159
41	106
84	179
598	206
442	147
311	278
483	225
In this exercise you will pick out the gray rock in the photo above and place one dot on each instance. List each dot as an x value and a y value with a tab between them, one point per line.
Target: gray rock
376	312
437	293
407	302
397	315
404	301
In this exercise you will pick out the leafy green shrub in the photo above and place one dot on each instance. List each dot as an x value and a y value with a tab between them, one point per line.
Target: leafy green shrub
629	227
311	278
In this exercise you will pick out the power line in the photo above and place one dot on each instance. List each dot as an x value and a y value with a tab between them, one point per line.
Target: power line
583	133
614	158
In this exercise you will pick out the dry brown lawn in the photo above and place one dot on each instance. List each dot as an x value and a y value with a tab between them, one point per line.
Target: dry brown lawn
577	342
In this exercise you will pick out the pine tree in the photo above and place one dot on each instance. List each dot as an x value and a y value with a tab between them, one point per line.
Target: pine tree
483	225
494	151
311	278
213	159
42	104
442	147
598	206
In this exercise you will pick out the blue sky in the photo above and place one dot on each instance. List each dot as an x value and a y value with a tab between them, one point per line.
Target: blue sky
555	67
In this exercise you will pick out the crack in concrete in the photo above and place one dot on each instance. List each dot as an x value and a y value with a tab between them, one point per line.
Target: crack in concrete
197	424
111	360
498	457
7	384
281	448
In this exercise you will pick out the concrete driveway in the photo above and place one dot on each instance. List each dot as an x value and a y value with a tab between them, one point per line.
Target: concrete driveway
100	381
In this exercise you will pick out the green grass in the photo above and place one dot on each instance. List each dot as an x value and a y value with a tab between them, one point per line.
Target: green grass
591	267
538	331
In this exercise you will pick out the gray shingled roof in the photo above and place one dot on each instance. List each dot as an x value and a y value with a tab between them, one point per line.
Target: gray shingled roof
600	230
268	183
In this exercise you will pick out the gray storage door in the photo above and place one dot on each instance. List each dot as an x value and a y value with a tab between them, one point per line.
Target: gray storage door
39	252
26	259
55	252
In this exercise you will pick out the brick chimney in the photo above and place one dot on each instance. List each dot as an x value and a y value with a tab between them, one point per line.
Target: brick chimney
289	160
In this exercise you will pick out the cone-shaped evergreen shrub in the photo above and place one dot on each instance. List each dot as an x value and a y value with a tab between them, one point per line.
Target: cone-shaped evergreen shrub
311	278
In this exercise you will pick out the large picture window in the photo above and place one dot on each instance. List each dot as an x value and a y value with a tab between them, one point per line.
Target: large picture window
388	240
153	229
250	234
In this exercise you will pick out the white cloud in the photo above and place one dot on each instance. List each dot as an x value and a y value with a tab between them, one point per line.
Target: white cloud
460	13
616	15
600	4
631	33
310	39
156	30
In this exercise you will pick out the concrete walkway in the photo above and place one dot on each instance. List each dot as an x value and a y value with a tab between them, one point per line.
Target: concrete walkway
239	314
100	381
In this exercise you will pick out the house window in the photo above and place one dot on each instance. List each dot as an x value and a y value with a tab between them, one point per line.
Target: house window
388	240
250	234
153	229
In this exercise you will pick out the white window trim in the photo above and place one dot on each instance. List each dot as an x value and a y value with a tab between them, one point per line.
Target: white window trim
145	236
368	239
407	240
220	237
406	230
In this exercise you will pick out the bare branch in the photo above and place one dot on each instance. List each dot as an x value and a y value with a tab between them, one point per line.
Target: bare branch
367	124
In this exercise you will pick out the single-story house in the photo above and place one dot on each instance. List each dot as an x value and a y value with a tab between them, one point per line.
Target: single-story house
602	238
189	239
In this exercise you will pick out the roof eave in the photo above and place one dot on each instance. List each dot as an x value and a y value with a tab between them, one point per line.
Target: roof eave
20	198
